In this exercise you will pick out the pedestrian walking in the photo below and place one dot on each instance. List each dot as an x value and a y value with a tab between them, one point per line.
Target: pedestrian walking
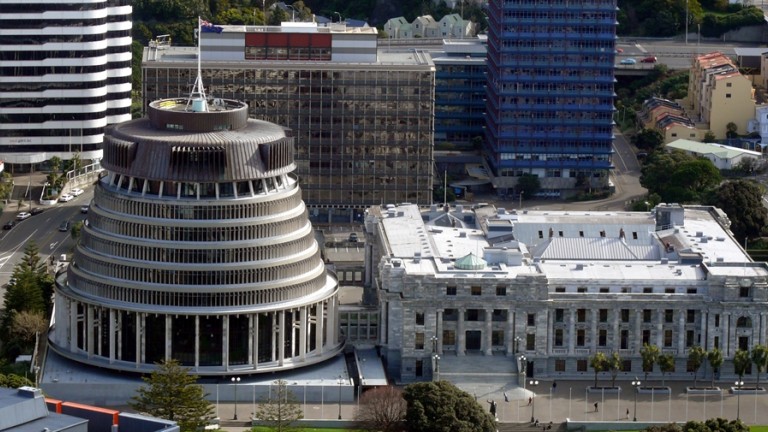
554	385
506	398
595	406
627	413
530	401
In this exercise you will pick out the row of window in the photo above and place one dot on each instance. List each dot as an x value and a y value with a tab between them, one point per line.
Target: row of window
82	284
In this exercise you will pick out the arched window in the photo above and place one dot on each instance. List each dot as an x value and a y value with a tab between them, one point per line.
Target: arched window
744	322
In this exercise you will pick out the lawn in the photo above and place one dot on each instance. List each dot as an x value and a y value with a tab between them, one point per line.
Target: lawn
758	429
309	429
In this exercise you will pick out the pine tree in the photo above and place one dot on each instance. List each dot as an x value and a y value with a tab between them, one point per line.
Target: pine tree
281	409
172	393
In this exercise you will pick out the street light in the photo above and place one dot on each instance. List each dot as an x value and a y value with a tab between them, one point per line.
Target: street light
293	12
339	17
436	359
235	380
517	344
340	382
434	344
738	383
522	369
636	385
533	400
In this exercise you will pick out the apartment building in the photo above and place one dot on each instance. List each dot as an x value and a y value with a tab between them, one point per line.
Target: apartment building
549	105
559	287
718	94
66	74
362	118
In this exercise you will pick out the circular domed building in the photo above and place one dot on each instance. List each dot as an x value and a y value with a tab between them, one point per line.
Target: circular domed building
198	247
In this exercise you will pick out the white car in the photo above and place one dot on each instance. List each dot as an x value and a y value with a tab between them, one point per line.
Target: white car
23	215
76	192
65	198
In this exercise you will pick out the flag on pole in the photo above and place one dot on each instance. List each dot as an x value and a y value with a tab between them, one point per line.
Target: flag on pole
207	27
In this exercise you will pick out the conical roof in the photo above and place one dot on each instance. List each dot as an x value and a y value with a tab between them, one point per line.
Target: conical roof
470	262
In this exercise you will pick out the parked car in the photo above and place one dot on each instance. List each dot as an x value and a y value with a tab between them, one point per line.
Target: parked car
23	215
64	226
76	192
619	50
352	238
65	198
84	209
628	61
650	59
10	224
36	211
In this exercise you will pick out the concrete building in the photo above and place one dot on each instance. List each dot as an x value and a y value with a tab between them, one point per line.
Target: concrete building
718	94
198	248
363	119
557	287
722	156
550	92
66	74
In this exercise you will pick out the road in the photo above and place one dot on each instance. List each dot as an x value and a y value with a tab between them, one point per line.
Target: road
43	229
676	54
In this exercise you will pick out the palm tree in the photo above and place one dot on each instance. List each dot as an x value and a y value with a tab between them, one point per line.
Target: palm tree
614	366
741	362
650	355
715	359
760	359
599	363
696	356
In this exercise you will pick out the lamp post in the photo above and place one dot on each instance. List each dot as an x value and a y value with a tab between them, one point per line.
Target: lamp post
522	369
517	344
341	380
533	401
436	359
738	383
336	13
235	380
434	344
636	385
293	12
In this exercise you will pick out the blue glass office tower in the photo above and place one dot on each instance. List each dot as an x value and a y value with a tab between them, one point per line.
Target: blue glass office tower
550	92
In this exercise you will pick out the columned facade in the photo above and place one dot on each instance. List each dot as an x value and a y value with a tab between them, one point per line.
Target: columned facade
198	248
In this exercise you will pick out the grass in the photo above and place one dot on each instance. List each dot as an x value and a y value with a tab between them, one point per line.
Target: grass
308	429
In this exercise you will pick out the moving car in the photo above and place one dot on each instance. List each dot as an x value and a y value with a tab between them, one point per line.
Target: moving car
650	59
619	50
84	209
23	215
628	61
76	192
65	198
36	211
64	226
10	224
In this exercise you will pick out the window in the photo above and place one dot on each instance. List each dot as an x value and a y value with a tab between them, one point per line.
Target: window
419	318
501	290
558	337
419	368
625	315
689	335
603	315
473	314
669	315
647	290
497	338
634	235
690	316
581	289
581	315
559	289
646	315
580	337
451	291
581	233
717	320
530	342
674	134
449	337
691	291
541	234
624	339
743	292
559	365
667	338
559	233
646	337
729	84
559	313
605	290
581	365
669	290
626	365
727	95
717	342
602	337
476	290
602	233
531	320
419	341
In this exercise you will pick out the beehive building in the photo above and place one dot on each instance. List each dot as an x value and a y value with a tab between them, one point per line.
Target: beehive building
198	247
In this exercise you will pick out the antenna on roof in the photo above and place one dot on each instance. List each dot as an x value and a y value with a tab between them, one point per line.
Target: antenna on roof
197	95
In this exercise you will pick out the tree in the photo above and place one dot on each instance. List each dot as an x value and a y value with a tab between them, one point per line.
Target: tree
709	137
648	139
666	365
172	393
696	356
731	130
614	366
277	16
281	409
759	357
382	409
28	325
678	177
741	362
715	359
650	356
77	227
528	185
441	406
598	362
742	201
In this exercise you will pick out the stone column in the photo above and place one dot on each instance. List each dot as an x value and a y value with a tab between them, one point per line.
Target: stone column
112	335
303	333
489	332
320	331
571	331
89	323
509	333
168	337
439	331
706	343
197	341
140	338
460	335
254	348
729	335
681	333
73	334
638	331
119	336
225	341
383	322
761	336
616	331
281	337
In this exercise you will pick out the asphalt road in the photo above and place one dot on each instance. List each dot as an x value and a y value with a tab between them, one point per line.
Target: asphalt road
43	229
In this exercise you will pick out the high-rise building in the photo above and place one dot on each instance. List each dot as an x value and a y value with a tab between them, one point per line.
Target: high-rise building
65	74
363	119
550	92
197	247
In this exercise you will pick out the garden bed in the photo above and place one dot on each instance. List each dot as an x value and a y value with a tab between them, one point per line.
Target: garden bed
609	390
747	390
654	390
703	390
